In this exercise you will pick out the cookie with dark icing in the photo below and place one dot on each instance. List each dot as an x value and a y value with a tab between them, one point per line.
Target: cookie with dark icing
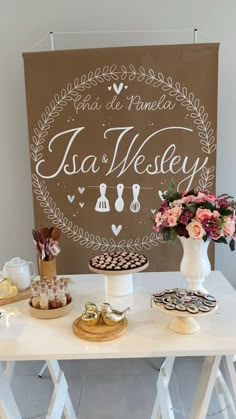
118	261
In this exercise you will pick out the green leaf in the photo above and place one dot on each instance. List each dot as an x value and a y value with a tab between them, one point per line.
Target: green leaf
173	234
209	206
225	211
221	240
232	245
205	238
175	196
192	207
191	192
170	189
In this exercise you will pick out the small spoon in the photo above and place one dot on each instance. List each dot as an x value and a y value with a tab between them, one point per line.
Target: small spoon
119	204
55	234
45	232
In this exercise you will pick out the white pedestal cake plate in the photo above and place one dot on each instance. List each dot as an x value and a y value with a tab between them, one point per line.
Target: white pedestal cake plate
184	322
119	284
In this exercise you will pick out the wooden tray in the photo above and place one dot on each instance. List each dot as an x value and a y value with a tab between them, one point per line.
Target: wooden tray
100	332
50	314
22	295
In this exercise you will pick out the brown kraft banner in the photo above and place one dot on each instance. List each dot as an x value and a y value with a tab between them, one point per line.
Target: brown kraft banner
108	130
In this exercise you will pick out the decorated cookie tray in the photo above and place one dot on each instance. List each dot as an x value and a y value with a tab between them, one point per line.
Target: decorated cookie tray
183	301
118	262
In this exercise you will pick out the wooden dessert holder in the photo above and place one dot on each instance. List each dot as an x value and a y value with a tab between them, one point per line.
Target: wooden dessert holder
100	332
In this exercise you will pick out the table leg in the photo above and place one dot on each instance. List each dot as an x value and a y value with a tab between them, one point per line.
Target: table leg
41	372
61	400
230	374
163	406
205	388
8	406
223	395
9	370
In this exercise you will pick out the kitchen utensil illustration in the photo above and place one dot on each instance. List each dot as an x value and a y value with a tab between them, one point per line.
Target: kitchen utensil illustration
102	204
161	195
135	204
119	204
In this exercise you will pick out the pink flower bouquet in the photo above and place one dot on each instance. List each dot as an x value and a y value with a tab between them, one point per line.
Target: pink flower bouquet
199	215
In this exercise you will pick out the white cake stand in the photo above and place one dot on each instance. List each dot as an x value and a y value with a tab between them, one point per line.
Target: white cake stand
119	283
184	322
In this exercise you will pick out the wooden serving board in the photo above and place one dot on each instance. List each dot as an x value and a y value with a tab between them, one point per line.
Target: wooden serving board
100	332
22	295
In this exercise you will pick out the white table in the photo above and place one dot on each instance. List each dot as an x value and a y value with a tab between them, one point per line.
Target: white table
148	336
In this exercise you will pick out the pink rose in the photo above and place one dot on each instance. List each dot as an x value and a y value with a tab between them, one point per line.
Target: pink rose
200	198
203	214
178	203
156	229
187	199
195	230
210	197
216	214
229	228
215	234
158	218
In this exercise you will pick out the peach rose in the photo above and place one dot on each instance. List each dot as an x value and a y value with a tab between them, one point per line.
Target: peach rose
171	221
229	228
203	214
175	211
195	230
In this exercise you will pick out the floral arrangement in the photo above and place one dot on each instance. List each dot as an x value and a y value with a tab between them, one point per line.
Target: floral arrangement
199	215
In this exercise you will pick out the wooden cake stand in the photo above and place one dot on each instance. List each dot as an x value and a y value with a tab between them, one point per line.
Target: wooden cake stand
184	322
119	283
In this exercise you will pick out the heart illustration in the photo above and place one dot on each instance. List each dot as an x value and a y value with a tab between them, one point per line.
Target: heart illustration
118	89
81	190
126	87
116	229
109	88
71	198
153	211
81	204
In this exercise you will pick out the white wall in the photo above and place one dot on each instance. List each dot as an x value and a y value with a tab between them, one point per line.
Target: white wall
24	22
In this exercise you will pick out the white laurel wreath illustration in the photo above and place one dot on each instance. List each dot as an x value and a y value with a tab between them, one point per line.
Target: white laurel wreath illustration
57	104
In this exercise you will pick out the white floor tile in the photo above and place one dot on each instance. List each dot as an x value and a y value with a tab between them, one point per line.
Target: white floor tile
124	366
33	394
117	396
120	396
28	367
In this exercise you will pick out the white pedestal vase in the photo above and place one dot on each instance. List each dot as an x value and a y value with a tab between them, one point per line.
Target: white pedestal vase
195	264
